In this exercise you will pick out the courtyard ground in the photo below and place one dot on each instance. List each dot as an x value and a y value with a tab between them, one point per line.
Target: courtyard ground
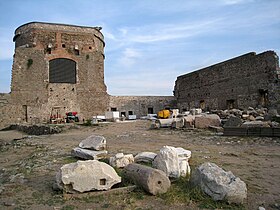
28	165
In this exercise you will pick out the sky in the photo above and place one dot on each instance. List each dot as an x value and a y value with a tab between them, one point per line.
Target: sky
149	43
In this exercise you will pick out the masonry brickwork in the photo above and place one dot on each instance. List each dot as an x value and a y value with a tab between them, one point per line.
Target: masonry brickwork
36	45
248	80
46	55
62	66
141	105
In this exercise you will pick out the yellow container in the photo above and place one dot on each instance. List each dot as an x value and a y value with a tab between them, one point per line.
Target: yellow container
164	114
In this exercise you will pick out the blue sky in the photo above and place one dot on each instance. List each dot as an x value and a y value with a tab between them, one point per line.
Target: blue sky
151	42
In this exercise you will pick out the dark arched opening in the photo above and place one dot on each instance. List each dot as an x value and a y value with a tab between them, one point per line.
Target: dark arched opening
62	70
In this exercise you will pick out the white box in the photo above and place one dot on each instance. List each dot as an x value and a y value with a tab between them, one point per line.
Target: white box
132	117
112	115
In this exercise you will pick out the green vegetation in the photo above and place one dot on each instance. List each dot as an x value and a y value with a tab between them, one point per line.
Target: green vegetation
87	123
69	159
94	199
68	207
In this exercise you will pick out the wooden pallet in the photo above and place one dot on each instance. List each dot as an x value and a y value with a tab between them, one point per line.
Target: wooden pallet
254	131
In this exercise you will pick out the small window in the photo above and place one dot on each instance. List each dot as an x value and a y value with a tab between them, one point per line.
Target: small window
230	104
123	114
63	45
113	109
150	110
49	50
77	52
102	181
90	47
202	104
130	112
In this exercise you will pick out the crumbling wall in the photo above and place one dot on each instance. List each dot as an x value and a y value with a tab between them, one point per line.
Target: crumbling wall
36	45
9	113
247	80
140	105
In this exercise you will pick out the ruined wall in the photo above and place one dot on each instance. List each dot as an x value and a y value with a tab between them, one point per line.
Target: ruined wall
248	80
36	45
140	105
9	113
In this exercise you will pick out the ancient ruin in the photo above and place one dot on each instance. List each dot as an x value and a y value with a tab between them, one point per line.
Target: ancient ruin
250	80
59	68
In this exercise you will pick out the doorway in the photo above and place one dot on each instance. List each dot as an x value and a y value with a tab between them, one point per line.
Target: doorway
230	104
150	110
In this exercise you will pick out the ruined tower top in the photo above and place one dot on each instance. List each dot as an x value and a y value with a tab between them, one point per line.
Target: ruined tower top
57	27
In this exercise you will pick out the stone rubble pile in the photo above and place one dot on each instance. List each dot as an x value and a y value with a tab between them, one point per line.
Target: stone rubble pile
195	118
91	148
259	117
39	129
170	162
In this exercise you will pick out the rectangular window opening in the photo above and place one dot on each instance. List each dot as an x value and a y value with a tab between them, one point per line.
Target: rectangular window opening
113	109
150	110
202	104
102	181
230	104
77	52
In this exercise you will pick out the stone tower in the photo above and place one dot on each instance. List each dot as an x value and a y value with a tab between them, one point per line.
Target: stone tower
58	67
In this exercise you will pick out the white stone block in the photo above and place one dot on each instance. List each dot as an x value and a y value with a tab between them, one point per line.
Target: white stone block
112	115
84	176
88	154
145	157
94	142
173	161
219	184
183	152
120	160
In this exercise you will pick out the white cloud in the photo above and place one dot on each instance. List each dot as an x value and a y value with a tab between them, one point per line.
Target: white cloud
232	2
165	32
129	56
108	35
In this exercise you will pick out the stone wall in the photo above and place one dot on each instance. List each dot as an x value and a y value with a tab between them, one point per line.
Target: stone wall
34	98
36	44
8	113
140	105
248	80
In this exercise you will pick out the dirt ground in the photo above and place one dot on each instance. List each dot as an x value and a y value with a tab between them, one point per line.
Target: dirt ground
28	164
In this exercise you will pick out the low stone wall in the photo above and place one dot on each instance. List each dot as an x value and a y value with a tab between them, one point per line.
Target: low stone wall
140	105
254	131
35	129
9	113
